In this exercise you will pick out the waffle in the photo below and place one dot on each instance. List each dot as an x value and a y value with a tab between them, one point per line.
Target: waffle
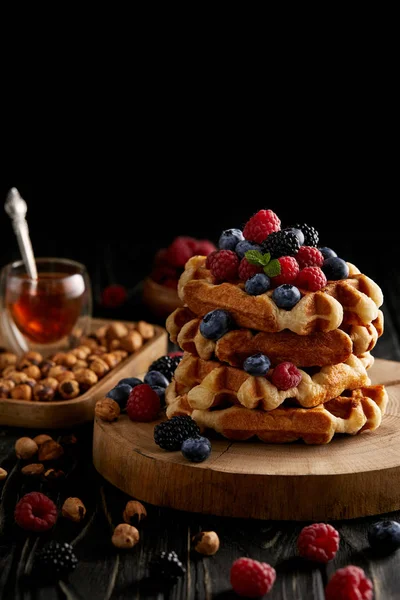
323	311
209	384
316	349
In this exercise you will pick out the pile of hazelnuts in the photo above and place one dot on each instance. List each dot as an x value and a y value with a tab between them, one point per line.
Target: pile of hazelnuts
67	375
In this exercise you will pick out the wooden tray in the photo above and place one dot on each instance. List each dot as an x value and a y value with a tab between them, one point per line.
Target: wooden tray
350	477
67	413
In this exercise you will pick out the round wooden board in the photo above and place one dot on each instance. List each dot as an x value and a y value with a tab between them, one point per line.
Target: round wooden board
350	477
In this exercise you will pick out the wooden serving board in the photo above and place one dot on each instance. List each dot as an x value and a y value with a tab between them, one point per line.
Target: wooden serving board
350	477
67	413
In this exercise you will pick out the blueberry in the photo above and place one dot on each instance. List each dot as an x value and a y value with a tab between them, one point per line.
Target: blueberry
244	247
335	268
298	233
258	284
258	364
196	449
384	536
132	381
286	296
160	391
229	239
327	252
120	393
215	324
156	378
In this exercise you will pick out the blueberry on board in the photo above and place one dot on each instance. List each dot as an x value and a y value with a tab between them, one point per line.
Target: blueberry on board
120	393
327	252
335	268
160	391
258	364
215	324
156	378
286	296
196	449
244	247
229	239
132	381
384	536
258	284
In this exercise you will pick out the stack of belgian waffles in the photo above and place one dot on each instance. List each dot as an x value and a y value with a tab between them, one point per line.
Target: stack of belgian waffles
276	335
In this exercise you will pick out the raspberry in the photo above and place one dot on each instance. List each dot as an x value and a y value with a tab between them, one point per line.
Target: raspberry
35	512
204	247
251	578
181	249
260	225
113	296
289	271
350	583
311	279
318	542
210	258
308	256
143	404
286	376
224	265
246	270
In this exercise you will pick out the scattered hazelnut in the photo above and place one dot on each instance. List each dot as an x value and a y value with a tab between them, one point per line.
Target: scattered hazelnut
6	385
50	450
86	378
99	366
3	474
134	512
33	372
69	388
73	509
45	367
33	470
125	536
206	542
42	438
22	392
80	364
34	357
132	342
66	375
25	448
51	382
7	359
107	410
146	330
53	475
111	359
17	377
43	393
56	371
116	331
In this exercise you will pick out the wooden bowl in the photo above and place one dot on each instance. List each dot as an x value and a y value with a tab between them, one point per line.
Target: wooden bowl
161	300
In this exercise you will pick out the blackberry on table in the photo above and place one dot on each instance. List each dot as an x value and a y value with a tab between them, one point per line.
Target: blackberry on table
281	243
167	567
311	236
55	560
171	434
166	365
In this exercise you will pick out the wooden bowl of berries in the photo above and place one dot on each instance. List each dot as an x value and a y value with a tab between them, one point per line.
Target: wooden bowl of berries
160	289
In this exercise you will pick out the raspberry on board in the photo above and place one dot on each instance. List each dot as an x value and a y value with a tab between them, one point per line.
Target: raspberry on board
261	225
319	542
224	265
308	256
286	376
143	404
35	512
210	258
246	270
349	583
289	271
311	279
251	578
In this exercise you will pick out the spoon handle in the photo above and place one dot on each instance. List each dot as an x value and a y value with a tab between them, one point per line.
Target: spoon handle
16	208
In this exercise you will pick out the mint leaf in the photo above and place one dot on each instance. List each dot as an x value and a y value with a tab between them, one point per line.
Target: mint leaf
266	258
273	268
254	257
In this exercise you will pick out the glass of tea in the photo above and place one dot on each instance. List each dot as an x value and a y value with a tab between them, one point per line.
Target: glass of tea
49	313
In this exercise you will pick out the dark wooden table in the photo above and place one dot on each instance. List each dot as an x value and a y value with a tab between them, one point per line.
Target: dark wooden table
104	573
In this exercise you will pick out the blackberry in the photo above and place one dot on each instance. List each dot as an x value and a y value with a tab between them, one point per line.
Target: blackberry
55	560
166	365
281	243
311	237
167	567
171	434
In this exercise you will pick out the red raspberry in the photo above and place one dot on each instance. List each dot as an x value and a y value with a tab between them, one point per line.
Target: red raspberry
204	247
210	258
181	249
308	256
246	270
286	376
224	265
251	578
113	296
260	225
289	271
143	404
350	583
35	512
311	279
318	542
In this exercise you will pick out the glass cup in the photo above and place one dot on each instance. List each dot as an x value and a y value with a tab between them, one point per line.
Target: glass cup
49	314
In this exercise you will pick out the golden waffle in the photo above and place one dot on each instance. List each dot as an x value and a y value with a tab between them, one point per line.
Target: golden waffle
316	311
209	384
316	349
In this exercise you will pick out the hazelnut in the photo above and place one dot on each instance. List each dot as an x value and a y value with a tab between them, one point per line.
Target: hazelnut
101	332
111	359
66	375
125	536
34	357
121	354
3	474
43	393
107	410
99	366
23	363
79	353
70	360
132	342
91	343
134	512
58	358
56	371
73	509
6	385
69	388
33	470
7	359
33	372
22	392
146	330
114	345
84	350
80	364
206	542
8	370
45	367
42	438
51	382
50	450
86	378
116	331
17	377
53	475
25	448
31	382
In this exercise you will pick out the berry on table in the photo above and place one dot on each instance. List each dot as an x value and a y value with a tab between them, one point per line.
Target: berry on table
327	252
297	232
311	237
215	324
132	381
210	258
384	536
229	239
196	449
251	578
286	376
55	560
349	583
286	296
318	541
244	247
258	284
309	256
167	567
258	364
160	391
335	268
35	512
120	394
143	404
224	265
170	435
281	243
289	271
260	225
156	378
247	270
166	365
311	279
